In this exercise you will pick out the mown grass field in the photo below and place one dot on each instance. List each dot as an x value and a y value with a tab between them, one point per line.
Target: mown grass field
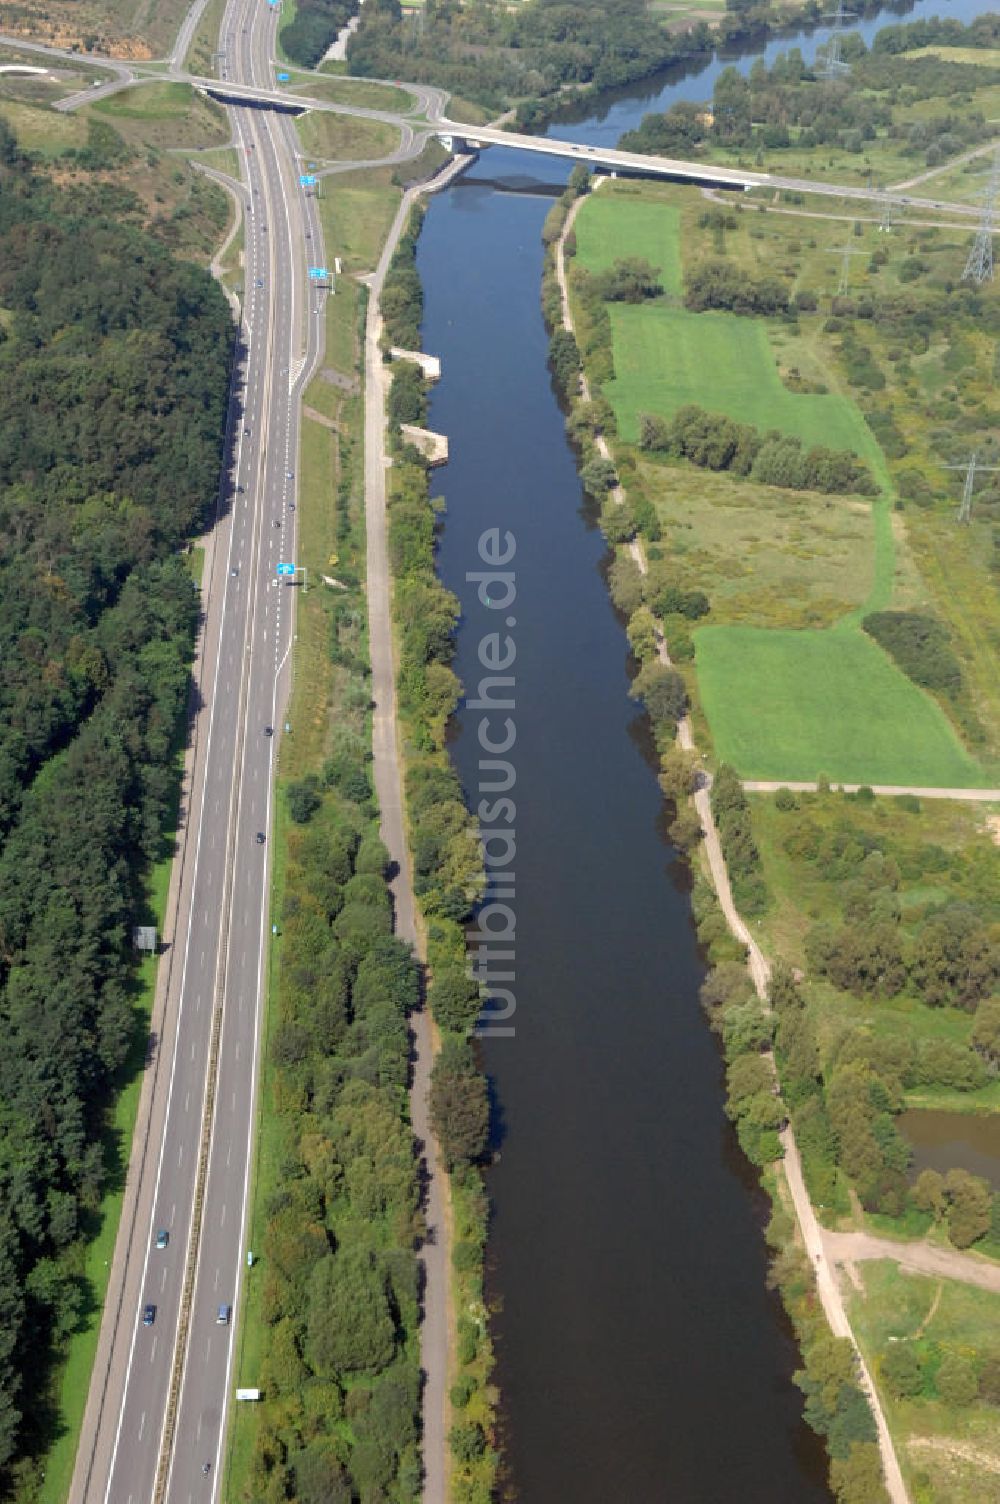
357	210
346	138
610	227
666	357
788	704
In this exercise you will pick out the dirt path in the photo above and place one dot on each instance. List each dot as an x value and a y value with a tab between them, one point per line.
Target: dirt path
760	971
918	1257
971	796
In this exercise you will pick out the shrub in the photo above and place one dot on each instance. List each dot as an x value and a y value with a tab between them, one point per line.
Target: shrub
903	1371
303	799
920	645
956	1381
662	691
459	1104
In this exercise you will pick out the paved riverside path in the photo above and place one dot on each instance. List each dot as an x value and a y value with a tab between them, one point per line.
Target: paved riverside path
917	1257
893	790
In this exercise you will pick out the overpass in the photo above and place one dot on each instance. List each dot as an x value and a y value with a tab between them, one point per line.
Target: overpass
461	138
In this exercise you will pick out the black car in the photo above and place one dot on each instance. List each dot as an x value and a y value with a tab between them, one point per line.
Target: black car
260	838
148	1315
268	730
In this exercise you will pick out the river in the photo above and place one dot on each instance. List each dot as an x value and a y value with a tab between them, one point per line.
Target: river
640	1355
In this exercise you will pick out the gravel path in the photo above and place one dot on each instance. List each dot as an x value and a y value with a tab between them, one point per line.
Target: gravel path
918	1257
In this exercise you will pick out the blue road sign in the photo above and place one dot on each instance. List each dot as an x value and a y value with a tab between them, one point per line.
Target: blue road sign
318	273
284	568
307	180
283	77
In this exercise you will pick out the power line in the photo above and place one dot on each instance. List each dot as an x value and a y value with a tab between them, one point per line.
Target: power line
833	64
979	266
845	252
972	468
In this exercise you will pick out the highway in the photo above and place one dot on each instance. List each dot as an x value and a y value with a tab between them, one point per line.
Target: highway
157	1407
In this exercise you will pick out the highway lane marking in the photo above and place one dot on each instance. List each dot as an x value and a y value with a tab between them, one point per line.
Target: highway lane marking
187	1102
142	1427
163	1285
152	1351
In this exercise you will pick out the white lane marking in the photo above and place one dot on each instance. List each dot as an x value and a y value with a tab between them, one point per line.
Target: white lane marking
163	1283
142	1427
152	1351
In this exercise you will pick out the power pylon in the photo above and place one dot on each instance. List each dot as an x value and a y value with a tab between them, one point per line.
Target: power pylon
845	252
979	267
972	468
833	64
887	211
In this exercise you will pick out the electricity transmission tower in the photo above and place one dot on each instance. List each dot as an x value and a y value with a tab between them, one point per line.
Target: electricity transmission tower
887	211
845	252
972	468
979	267
833	64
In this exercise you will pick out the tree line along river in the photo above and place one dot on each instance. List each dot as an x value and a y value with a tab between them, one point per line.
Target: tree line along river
640	1355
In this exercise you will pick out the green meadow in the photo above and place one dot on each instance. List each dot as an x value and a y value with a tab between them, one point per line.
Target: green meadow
795	705
609	227
781	702
665	357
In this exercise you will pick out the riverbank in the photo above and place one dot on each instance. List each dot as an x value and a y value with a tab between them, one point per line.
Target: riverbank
758	966
419	790
780	872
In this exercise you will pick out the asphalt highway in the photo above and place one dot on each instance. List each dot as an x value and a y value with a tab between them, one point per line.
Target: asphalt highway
159	1401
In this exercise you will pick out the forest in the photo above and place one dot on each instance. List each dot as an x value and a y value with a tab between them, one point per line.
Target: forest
493	54
114	367
314	25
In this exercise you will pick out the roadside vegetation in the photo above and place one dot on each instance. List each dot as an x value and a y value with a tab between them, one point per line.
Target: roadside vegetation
127	152
118	28
103	333
330	1326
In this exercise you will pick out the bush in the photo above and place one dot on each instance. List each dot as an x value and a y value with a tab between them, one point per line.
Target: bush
662	691
956	1381
903	1371
722	284
920	645
564	357
303	799
459	1105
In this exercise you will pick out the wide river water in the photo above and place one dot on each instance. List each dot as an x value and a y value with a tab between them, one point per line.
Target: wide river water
640	1356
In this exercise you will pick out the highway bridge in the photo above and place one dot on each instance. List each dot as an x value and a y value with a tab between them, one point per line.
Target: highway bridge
461	138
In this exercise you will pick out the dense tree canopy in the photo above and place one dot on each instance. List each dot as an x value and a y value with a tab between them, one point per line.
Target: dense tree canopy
113	372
